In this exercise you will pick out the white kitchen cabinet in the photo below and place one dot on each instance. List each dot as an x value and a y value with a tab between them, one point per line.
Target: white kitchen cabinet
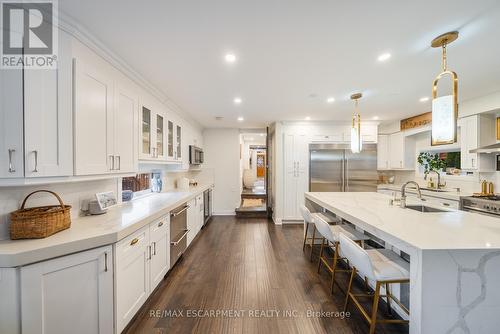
132	276
93	120
11	123
342	134
174	141
70	294
192	223
125	125
178	143
401	151
296	159
476	131
10	304
142	260
153	134
383	152
159	233
35	119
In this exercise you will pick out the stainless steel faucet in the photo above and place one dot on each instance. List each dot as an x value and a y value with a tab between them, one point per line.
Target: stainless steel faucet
438	185
402	201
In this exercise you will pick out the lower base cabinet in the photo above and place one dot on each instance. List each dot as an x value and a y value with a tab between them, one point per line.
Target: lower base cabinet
70	294
142	260
195	217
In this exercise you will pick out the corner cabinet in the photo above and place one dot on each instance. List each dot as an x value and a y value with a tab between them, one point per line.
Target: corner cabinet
36	120
70	294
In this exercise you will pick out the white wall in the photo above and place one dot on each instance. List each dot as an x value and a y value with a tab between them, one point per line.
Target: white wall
222	154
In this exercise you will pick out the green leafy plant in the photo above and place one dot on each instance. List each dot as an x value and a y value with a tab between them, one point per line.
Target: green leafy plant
431	162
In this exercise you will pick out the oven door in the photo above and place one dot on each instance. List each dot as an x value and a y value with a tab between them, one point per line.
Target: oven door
480	211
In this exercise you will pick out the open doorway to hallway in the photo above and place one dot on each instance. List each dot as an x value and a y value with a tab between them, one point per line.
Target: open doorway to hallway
253	163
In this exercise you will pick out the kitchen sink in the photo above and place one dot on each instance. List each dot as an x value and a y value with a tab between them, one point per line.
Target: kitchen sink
424	208
435	190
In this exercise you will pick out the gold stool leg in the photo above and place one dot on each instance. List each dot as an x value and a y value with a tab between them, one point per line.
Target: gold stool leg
320	254
305	237
348	293
388	294
312	243
335	259
373	320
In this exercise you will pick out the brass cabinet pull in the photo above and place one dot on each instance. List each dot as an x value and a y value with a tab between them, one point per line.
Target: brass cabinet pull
134	241
446	204
160	224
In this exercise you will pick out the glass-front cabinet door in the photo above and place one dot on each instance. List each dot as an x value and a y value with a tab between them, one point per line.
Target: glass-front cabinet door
146	133
178	141
160	134
170	140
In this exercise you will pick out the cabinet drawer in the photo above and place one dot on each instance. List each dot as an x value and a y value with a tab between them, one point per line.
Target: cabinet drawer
445	203
160	226
132	243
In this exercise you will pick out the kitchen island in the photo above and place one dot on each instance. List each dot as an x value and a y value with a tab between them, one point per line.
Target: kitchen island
448	251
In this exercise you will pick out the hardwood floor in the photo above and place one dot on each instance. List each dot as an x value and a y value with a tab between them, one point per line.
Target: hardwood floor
253	266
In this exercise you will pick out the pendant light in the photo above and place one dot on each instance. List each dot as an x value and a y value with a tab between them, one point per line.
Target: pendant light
356	141
444	108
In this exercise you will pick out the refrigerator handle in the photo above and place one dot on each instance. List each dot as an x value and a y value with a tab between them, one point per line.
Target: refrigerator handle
346	161
343	175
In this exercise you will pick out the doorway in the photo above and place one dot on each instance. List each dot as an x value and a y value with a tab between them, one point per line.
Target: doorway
253	161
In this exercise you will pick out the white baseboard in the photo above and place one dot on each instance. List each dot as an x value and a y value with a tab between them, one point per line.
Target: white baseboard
224	213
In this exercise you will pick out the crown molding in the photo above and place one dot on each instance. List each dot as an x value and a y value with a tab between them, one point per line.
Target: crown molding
70	25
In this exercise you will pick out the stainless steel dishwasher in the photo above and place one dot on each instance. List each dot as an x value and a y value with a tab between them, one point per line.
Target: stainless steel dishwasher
178	233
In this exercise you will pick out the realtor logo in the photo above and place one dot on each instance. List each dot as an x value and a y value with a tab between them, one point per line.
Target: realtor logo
29	34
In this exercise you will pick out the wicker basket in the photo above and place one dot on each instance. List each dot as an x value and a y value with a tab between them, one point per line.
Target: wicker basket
39	222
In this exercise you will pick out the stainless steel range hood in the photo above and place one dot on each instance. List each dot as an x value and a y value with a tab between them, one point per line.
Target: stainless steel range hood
495	148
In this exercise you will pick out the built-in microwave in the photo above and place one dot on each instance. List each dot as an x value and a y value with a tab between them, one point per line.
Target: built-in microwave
195	155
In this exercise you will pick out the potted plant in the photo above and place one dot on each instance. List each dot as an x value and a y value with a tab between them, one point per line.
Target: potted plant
431	163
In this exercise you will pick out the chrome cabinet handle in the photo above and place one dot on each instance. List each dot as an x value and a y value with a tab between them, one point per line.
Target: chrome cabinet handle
36	162
154	248
472	162
112	162
119	162
149	252
175	243
11	165
105	261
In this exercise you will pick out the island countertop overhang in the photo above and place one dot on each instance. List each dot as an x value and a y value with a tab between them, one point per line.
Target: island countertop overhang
410	230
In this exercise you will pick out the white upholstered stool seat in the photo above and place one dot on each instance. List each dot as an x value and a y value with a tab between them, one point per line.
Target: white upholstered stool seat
380	265
309	220
387	265
348	231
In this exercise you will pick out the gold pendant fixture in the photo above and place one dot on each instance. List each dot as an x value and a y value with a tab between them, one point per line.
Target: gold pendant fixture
444	108
356	140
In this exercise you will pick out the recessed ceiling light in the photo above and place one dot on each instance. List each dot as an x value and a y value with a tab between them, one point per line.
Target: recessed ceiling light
240	119
237	100
375	118
384	57
330	100
308	118
230	58
424	99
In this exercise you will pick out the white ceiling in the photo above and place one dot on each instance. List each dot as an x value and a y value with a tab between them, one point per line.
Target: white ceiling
290	49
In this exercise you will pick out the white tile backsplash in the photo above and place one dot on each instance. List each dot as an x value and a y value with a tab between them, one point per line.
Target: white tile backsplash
72	193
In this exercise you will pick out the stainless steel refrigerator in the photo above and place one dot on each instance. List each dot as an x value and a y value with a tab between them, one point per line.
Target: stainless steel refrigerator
333	167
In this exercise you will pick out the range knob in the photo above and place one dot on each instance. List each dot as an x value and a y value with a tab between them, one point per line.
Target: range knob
487	207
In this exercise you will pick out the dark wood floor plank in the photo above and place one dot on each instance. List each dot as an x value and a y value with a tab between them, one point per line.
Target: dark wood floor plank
250	265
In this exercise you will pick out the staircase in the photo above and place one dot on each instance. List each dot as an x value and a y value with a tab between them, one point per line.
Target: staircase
253	205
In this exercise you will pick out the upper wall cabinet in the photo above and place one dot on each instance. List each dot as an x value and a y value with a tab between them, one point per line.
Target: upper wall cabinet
476	131
152	134
105	122
342	134
401	151
383	152
36	104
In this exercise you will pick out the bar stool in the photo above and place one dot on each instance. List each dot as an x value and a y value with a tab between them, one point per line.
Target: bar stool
330	235
308	220
380	265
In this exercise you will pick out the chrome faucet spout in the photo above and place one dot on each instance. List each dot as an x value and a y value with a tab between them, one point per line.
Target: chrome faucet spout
403	192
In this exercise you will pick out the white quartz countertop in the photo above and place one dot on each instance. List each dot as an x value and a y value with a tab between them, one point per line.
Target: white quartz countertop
95	231
451	194
451	230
